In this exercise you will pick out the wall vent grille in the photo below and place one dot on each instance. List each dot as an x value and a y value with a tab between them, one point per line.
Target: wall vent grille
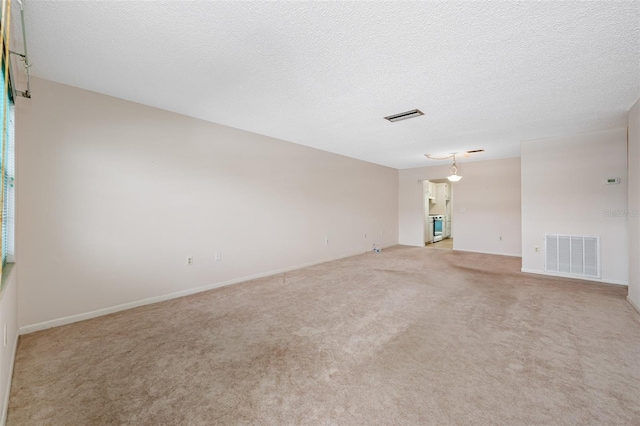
572	255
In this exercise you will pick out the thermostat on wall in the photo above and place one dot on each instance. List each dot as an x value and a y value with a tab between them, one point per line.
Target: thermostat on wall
613	181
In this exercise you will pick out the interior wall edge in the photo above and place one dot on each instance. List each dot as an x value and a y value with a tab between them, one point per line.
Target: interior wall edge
58	322
636	307
574	198
116	198
633	203
8	325
5	403
495	253
573	277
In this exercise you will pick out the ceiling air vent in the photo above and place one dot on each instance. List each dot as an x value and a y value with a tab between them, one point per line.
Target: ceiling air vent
404	115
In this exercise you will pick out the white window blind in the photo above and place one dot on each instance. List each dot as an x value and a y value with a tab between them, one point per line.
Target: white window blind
7	168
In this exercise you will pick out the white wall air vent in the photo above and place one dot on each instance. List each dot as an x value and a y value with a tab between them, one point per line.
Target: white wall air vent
572	255
404	115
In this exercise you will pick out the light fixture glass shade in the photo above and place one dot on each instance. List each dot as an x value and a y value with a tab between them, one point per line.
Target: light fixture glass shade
454	172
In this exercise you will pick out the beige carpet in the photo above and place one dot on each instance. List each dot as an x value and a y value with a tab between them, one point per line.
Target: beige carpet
409	336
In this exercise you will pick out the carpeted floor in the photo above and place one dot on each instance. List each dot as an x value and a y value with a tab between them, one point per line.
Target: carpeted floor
408	336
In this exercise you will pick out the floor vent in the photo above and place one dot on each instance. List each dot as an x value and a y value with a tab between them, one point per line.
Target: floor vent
572	255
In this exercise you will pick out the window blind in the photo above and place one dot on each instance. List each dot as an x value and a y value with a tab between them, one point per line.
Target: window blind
7	140
8	208
7	170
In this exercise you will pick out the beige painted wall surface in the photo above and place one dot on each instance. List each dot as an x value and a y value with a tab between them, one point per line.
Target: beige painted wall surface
486	206
8	316
564	192
634	204
113	196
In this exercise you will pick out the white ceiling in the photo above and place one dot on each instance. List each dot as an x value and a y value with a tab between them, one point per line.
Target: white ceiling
486	75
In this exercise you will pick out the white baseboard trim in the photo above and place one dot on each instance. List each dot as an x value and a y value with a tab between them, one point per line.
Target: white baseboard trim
489	252
5	403
155	299
593	280
636	307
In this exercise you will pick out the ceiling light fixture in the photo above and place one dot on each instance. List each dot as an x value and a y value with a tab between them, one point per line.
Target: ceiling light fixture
454	177
404	115
454	171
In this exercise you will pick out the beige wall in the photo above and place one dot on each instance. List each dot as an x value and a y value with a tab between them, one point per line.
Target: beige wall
113	196
8	319
564	192
634	205
486	206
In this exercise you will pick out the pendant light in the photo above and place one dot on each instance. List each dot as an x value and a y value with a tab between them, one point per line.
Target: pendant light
454	171
454	177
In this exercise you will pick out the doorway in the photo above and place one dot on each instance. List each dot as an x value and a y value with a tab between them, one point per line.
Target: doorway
438	208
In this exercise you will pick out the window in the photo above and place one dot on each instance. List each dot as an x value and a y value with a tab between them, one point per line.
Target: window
7	167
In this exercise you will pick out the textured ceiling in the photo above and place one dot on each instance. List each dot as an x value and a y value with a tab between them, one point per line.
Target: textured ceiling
486	75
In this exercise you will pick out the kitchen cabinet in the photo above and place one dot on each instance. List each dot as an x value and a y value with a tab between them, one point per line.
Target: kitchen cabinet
428	232
447	191
432	191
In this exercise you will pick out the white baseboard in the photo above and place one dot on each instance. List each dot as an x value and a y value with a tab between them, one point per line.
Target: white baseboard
5	403
129	305
593	280
489	252
636	307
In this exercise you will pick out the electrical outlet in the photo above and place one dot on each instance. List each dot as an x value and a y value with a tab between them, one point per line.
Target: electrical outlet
326	241
218	257
500	238
536	249
189	260
365	235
